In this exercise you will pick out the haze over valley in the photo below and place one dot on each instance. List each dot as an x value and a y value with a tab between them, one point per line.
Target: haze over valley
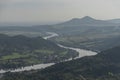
59	40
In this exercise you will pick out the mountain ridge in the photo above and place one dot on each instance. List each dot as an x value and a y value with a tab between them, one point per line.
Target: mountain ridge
86	21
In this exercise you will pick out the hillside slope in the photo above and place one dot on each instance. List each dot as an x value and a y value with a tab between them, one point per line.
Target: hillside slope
20	51
104	66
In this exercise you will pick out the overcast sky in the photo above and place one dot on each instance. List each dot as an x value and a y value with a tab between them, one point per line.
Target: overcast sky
44	11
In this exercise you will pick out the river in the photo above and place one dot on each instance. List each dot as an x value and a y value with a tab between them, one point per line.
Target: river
81	52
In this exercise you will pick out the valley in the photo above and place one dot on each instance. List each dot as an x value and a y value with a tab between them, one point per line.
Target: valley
59	39
81	52
20	51
67	52
104	66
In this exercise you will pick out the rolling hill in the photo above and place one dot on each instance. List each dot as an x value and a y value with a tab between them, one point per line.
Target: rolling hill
18	51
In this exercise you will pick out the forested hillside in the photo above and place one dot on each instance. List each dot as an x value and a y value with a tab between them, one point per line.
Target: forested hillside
104	66
17	51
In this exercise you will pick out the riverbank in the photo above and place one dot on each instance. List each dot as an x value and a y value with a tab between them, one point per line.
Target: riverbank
81	52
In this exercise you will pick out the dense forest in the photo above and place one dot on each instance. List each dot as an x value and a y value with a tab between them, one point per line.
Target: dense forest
104	66
18	51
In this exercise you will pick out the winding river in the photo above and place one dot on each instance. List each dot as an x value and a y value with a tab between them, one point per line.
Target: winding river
81	52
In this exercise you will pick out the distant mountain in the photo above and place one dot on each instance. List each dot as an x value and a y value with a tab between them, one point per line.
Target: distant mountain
114	21
104	66
86	21
81	25
71	26
18	51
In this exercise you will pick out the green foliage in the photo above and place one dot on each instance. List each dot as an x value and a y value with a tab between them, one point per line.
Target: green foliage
19	51
14	56
104	66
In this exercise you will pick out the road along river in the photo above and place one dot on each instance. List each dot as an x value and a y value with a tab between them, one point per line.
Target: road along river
81	52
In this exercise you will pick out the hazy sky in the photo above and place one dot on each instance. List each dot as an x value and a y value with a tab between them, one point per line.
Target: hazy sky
45	11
